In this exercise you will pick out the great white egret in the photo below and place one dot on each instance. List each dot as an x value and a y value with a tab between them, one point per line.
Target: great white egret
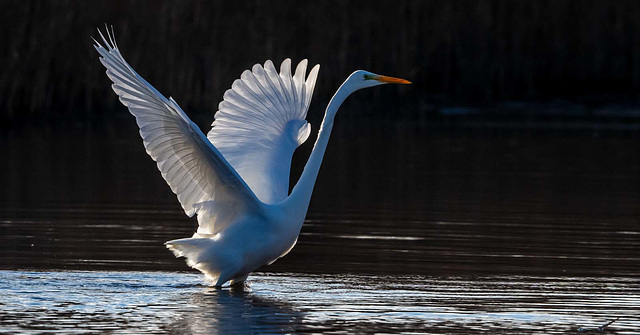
236	179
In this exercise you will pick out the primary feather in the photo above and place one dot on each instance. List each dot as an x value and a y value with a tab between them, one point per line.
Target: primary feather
196	171
261	122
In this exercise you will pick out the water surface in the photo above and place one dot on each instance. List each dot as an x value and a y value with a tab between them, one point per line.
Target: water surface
407	231
152	302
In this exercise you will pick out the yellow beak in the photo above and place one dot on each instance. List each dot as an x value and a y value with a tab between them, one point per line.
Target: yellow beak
391	80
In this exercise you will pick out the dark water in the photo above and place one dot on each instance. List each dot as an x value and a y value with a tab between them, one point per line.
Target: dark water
407	231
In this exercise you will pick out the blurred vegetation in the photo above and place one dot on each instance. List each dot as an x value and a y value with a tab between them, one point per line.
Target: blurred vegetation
456	52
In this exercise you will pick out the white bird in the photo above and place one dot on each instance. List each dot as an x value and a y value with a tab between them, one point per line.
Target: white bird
236	179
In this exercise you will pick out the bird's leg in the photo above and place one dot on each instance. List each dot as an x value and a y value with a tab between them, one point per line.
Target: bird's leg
239	281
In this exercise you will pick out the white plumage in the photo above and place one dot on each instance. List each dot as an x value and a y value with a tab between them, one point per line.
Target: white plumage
261	122
236	179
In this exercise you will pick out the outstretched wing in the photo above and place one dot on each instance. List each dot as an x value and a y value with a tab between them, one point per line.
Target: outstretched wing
196	171
261	122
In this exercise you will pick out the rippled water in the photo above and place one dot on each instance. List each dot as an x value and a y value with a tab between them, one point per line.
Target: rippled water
287	302
513	233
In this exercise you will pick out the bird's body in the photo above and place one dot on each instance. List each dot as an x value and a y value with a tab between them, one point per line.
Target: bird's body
236	179
233	253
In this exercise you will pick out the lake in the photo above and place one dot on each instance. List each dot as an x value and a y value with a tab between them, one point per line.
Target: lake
409	230
152	302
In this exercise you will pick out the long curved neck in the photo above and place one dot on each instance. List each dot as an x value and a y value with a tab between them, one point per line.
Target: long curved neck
301	194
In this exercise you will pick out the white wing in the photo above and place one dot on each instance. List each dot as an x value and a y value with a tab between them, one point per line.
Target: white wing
195	170
261	122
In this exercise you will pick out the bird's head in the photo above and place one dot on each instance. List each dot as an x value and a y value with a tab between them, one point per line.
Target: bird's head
362	79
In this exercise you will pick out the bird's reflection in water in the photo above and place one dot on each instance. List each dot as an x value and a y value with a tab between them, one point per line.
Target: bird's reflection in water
235	310
163	302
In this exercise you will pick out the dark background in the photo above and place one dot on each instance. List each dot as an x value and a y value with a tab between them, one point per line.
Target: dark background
495	63
516	150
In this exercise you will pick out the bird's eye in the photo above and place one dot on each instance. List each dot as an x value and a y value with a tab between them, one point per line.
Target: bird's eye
367	77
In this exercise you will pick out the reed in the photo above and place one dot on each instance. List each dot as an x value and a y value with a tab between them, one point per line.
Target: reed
456	52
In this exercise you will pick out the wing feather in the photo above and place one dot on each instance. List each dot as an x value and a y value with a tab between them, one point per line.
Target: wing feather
194	168
261	122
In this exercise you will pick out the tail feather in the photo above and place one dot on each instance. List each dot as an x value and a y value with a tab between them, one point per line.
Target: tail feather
189	248
197	251
203	253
